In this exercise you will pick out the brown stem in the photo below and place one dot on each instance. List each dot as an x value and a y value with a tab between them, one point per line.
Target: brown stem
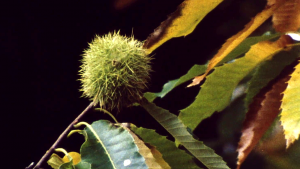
54	146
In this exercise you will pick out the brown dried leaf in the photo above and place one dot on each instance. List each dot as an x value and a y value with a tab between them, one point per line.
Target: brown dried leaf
153	161
158	157
262	112
235	40
287	17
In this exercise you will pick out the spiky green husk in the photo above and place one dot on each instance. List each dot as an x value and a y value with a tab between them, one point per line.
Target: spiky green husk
115	70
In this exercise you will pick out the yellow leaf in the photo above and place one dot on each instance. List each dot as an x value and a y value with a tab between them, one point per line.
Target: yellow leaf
235	40
290	115
75	156
180	23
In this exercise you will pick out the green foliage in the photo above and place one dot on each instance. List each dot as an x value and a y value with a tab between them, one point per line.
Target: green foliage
179	131
268	70
67	162
216	92
243	47
175	157
110	147
115	71
194	71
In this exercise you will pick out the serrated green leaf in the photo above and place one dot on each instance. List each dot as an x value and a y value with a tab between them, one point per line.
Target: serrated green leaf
290	115
176	158
197	70
110	147
194	71
268	70
179	131
216	92
236	39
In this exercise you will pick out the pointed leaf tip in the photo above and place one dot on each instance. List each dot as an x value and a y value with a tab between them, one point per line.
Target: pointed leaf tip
235	40
290	114
180	23
262	112
214	97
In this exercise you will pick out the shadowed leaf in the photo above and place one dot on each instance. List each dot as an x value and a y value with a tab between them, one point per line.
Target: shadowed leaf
121	4
216	92
235	40
262	112
175	157
290	114
180	23
179	131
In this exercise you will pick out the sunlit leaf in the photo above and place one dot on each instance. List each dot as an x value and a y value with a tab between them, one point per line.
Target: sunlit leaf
270	69
153	162
71	160
179	131
287	17
262	112
216	92
175	157
109	146
235	40
200	69
180	23
245	45
290	115
75	156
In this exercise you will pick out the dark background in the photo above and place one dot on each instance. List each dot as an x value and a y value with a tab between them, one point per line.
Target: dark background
42	43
